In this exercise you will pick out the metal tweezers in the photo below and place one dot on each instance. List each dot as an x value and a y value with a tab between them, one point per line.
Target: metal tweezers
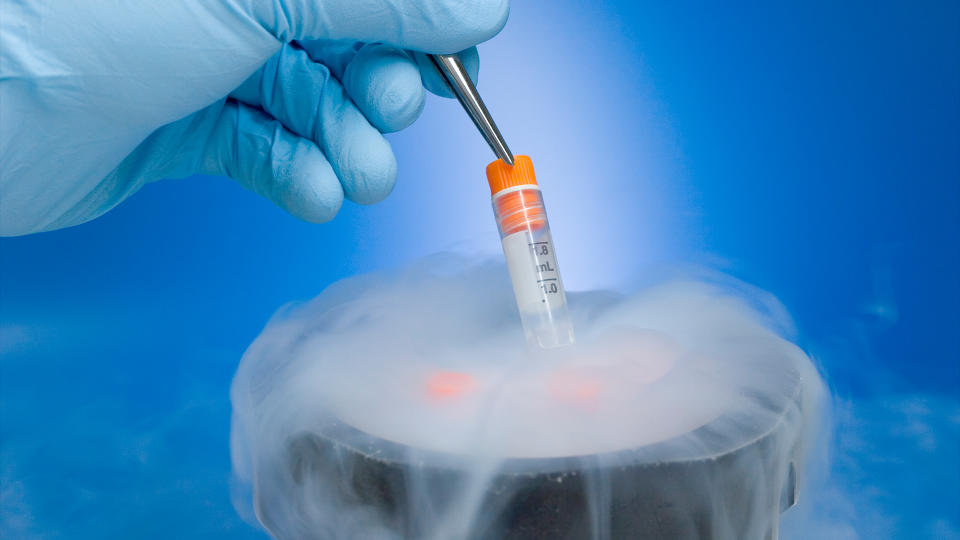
459	81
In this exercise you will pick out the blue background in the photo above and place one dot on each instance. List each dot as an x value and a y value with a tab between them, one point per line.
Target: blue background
810	149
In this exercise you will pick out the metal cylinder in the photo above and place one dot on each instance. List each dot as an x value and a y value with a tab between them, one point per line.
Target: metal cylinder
733	494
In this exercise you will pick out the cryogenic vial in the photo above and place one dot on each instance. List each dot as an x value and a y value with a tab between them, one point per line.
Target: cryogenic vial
529	250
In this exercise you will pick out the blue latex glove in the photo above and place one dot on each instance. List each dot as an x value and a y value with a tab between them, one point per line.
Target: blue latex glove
288	97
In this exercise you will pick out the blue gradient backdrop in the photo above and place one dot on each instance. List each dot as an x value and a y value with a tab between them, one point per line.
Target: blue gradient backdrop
811	149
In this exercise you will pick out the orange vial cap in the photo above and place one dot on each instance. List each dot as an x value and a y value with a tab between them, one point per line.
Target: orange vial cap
449	384
502	176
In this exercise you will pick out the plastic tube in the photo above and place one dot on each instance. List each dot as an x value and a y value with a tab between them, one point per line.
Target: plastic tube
530	253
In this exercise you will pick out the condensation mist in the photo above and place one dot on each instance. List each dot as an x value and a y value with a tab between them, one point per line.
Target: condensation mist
407	405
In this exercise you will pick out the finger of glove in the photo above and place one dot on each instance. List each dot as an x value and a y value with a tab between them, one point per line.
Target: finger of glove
384	82
338	55
435	26
262	156
434	81
310	102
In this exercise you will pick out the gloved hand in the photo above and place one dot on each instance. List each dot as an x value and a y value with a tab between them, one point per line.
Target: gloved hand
287	97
